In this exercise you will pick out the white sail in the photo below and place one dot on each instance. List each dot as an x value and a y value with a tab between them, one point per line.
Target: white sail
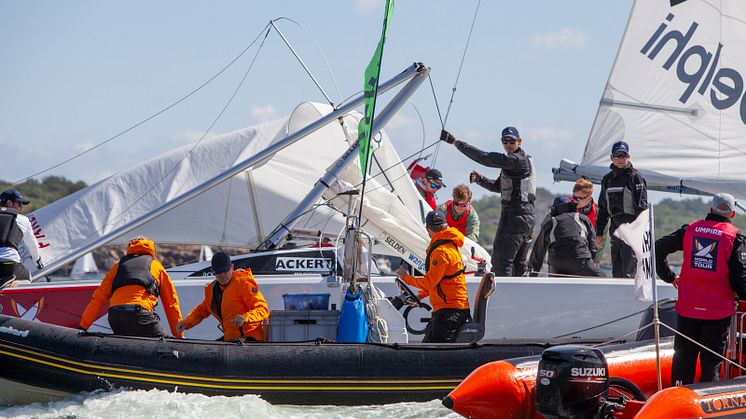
676	95
85	264
243	210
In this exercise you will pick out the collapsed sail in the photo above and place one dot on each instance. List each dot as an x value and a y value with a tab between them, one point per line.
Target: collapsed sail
244	209
676	95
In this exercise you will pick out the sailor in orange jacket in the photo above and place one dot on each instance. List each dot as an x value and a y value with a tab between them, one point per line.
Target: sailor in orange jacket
444	280
132	287
234	299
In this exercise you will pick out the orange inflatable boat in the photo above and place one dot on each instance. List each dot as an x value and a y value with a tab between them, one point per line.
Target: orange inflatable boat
506	389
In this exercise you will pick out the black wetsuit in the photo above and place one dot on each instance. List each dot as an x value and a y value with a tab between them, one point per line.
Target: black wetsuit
624	195
517	187
569	238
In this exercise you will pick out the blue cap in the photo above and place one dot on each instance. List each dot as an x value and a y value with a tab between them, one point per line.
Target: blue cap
511	132
13	195
620	147
435	218
220	263
562	199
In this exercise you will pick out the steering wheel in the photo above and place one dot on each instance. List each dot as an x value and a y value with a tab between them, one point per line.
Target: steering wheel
412	301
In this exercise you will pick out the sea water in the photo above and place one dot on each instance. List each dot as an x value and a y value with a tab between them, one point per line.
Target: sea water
163	404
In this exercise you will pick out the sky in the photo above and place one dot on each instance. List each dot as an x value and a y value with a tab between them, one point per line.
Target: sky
76	73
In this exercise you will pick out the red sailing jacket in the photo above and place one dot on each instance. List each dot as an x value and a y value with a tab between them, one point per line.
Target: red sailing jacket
704	287
460	224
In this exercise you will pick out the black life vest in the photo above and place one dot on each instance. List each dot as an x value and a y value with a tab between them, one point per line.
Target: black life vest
217	300
519	186
10	233
435	245
135	270
619	195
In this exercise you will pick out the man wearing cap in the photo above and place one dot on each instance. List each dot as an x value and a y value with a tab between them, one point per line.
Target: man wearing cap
132	287
569	237
712	275
444	280
234	299
517	187
429	183
624	195
16	238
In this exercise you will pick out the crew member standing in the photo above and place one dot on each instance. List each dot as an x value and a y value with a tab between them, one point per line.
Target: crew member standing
569	237
16	238
133	286
235	301
444	280
713	273
517	187
623	197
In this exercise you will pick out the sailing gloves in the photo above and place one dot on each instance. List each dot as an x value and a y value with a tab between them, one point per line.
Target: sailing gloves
447	137
474	177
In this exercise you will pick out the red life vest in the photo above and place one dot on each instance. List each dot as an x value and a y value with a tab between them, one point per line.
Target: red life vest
704	286
459	224
429	198
589	212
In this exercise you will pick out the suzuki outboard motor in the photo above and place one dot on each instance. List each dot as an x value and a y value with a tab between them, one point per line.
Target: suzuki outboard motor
572	382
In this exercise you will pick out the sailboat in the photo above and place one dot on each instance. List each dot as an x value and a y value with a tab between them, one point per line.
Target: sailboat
676	95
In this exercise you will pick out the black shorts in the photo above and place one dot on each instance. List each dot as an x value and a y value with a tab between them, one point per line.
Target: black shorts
133	320
444	325
12	270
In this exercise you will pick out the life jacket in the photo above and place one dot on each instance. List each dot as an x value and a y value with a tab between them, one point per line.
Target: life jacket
429	198
217	300
134	269
619	197
459	224
704	284
568	236
461	270
519	186
10	233
590	212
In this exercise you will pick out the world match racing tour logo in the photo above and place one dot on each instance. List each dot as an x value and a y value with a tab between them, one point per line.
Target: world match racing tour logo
696	66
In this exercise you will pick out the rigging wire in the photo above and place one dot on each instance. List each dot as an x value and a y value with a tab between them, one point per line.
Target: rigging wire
191	149
321	51
147	119
444	120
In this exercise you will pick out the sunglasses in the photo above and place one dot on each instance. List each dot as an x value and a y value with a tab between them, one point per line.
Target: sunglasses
435	185
620	156
461	204
579	198
508	141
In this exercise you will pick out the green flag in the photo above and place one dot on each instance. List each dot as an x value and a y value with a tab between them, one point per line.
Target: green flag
370	83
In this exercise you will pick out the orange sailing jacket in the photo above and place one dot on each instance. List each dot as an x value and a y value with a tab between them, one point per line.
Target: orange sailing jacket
240	296
445	260
136	294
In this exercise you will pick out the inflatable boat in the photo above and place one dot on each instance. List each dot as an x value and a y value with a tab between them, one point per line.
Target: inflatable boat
507	388
40	361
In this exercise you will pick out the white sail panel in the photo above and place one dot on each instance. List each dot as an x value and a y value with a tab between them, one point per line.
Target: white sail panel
237	212
676	95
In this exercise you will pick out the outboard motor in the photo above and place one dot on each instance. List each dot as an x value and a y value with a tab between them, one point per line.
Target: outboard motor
572	382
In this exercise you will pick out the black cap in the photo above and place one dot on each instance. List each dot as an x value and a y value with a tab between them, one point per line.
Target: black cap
562	199
434	175
13	195
435	218
221	262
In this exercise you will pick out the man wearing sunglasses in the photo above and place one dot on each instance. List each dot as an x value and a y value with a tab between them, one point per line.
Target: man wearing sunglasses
460	214
517	187
428	184
623	197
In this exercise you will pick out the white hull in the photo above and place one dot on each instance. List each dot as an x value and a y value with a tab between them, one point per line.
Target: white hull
520	308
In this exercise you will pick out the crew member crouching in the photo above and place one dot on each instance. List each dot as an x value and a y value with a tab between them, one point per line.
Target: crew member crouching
133	286
444	280
235	301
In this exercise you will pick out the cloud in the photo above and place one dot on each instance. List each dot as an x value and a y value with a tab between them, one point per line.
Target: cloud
554	138
367	5
263	113
564	38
